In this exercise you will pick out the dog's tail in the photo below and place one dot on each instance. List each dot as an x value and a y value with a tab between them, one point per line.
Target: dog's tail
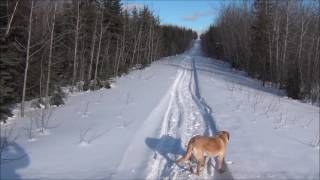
188	155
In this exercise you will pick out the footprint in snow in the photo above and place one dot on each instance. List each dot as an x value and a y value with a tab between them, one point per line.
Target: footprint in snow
119	116
229	162
32	140
192	117
84	144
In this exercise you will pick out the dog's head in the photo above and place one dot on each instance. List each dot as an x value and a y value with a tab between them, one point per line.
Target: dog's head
224	134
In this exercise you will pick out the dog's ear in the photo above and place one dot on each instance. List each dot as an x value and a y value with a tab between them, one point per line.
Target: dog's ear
228	135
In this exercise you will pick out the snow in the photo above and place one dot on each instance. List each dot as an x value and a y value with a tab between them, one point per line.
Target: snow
139	127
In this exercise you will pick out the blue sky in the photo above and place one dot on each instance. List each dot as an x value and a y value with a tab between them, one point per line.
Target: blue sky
194	14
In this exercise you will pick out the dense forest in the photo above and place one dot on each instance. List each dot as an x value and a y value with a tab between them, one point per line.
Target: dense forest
81	44
277	42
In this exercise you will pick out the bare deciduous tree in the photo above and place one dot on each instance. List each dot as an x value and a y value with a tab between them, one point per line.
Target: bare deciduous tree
50	56
27	61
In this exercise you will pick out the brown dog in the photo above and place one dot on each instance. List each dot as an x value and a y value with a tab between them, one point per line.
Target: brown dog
202	146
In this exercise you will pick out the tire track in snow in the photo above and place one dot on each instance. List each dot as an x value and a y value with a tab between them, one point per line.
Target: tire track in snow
186	115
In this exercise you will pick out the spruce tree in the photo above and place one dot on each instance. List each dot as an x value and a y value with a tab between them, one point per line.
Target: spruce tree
8	72
259	41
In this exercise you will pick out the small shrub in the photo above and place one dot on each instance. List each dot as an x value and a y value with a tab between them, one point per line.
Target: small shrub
38	103
91	85
86	86
107	85
80	85
57	97
5	112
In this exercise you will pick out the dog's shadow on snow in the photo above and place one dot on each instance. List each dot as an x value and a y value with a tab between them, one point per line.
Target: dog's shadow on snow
165	146
169	148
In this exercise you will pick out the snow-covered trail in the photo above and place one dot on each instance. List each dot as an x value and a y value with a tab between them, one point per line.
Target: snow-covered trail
186	115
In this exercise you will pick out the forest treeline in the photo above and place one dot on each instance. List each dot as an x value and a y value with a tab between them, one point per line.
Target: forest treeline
274	41
78	43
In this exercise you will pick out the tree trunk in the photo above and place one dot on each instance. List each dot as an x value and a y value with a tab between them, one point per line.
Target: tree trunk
76	46
27	62
135	45
92	48
10	20
106	57
283	71
98	53
50	56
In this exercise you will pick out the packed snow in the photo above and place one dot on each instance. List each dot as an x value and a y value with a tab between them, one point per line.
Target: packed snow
139	127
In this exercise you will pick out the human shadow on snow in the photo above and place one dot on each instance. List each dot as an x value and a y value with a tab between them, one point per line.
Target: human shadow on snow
13	158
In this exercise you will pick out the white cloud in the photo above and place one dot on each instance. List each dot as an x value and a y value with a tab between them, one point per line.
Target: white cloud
198	15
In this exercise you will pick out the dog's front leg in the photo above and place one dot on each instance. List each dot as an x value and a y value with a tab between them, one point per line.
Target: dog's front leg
220	159
206	162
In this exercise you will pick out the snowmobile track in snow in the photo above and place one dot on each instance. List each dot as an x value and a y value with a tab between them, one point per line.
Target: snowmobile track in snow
186	115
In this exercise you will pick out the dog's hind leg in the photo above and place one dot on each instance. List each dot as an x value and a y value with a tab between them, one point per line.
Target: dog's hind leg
185	157
198	167
190	165
200	162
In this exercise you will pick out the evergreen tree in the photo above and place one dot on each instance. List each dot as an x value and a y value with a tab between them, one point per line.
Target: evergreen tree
8	63
259	41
